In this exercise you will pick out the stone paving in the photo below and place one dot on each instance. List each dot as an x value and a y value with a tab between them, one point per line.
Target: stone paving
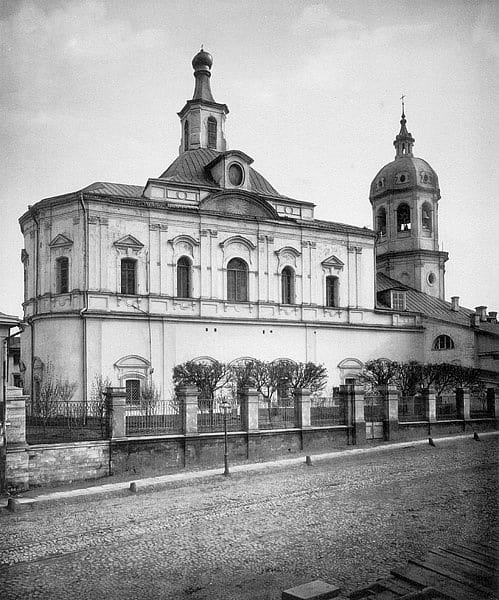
348	519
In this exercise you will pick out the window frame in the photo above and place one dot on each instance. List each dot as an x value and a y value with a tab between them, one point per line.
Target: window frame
62	275
212	133
443	342
403	226
126	273
426	223
381	230
398	299
129	399
332	291
237	280
288	286
184	277
186	135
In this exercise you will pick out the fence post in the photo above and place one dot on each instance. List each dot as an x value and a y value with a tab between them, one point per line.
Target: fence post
302	408
392	397
249	409
463	404
16	456
492	403
116	404
188	396
430	404
359	421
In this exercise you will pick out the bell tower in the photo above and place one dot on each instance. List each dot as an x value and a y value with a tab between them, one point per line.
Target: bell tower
202	119
404	197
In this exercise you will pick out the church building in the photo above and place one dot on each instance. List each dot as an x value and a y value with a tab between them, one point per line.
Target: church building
209	261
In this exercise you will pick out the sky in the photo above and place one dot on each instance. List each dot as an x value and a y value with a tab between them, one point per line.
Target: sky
89	91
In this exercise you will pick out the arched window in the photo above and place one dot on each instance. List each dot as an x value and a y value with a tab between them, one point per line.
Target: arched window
443	342
212	133
288	286
426	217
183	277
186	135
62	275
128	276
237	280
381	221
332	291
403	217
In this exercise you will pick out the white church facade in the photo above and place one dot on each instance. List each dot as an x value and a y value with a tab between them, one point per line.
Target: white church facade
208	260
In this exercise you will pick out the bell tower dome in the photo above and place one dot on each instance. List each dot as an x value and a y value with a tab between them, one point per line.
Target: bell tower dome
202	119
404	197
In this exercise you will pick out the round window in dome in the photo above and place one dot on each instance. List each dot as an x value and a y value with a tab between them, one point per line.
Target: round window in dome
431	278
236	174
402	178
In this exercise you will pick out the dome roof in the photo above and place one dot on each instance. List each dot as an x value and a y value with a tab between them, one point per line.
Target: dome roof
403	173
202	60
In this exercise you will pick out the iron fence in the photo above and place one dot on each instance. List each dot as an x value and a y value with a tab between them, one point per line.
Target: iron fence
211	417
329	410
162	418
374	407
480	406
446	407
54	421
412	408
278	414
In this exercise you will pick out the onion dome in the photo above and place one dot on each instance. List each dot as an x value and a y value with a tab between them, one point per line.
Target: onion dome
406	171
202	61
201	64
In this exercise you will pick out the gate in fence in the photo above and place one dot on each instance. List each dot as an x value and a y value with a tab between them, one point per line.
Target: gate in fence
374	415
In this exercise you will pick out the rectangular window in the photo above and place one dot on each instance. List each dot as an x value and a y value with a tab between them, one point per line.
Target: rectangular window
132	391
237	286
398	300
62	275
128	283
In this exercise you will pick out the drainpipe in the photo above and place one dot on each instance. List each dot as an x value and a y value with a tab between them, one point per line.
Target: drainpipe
30	320
85	297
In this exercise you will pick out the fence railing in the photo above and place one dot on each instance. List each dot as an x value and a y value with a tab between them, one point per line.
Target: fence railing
412	408
329	410
446	407
66	421
211	415
162	418
480	406
277	414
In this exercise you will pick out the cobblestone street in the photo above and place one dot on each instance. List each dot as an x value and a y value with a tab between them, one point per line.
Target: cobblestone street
350	519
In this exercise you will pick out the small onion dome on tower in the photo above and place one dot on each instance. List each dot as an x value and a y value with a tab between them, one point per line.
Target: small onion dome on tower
203	61
406	171
202	64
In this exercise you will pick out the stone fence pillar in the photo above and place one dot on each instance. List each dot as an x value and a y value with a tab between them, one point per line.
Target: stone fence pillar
302	408
358	419
16	457
116	405
188	397
430	404
463	404
492	403
249	409
391	422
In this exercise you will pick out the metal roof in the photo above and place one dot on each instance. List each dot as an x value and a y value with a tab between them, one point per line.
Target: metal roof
429	306
104	188
189	167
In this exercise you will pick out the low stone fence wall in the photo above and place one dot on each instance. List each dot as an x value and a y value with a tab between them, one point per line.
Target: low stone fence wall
48	464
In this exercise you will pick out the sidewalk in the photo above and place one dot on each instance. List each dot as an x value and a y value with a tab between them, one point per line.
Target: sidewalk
33	499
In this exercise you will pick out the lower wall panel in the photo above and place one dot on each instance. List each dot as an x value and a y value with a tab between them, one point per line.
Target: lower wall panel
147	456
